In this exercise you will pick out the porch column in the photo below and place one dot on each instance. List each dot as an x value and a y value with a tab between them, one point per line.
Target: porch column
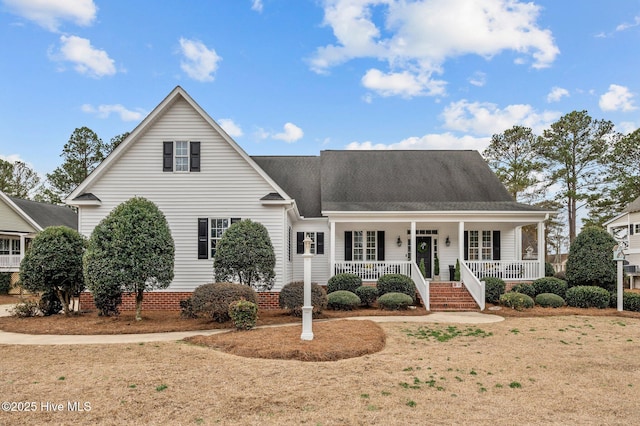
22	247
518	241
413	241
332	272
461	241
541	249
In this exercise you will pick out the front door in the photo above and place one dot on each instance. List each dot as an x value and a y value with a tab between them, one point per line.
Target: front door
423	251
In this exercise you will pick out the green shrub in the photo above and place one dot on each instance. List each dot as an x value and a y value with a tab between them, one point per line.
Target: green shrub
550	285
292	298
549	300
343	300
548	270
494	288
244	314
525	288
396	283
584	296
590	262
423	269
561	275
348	282
213	300
517	301
395	301
186	309
631	301
5	282
367	294
107	297
49	303
25	309
456	273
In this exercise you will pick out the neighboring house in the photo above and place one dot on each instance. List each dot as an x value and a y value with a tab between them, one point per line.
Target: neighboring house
558	261
367	212
625	228
20	221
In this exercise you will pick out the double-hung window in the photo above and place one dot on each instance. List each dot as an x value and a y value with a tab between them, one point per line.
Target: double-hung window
181	156
482	245
365	245
210	233
317	242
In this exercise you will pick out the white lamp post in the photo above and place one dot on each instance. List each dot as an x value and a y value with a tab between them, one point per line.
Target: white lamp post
307	309
618	257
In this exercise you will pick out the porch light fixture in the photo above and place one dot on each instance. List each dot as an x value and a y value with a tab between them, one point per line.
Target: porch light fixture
447	242
399	241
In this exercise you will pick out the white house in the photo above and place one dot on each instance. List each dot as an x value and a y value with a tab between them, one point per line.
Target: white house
625	228
368	212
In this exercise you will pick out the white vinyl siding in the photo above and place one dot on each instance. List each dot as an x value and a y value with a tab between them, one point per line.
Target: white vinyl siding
319	263
11	221
227	187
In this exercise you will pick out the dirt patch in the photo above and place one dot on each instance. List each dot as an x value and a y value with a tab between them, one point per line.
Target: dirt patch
357	338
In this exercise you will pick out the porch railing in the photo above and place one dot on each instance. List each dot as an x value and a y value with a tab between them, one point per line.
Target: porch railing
10	261
422	285
371	271
475	287
505	269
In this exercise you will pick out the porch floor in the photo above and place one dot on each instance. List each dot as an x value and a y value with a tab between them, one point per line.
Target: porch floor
450	296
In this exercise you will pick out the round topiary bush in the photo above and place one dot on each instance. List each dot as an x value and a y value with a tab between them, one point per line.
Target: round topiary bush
549	300
213	300
494	288
244	314
348	282
525	288
631	301
589	262
292	298
550	285
395	301
517	301
396	283
367	294
587	296
343	300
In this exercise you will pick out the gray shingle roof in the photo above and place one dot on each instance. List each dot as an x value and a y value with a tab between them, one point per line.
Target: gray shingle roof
419	180
48	214
633	206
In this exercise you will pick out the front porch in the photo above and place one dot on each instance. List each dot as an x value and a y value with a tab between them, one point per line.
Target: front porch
12	249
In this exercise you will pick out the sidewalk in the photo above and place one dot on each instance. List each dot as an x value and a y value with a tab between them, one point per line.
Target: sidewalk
7	338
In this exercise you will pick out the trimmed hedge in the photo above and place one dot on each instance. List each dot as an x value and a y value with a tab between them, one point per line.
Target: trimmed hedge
395	301
631	301
367	294
396	283
494	288
525	288
343	300
517	301
549	300
292	298
348	282
213	300
587	296
244	314
550	285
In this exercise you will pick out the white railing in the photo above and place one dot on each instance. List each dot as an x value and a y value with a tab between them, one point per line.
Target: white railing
475	287
11	261
371	271
506	269
422	285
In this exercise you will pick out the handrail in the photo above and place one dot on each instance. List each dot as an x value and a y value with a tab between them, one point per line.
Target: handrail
422	285
475	287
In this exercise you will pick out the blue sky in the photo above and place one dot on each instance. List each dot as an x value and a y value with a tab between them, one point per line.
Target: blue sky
300	76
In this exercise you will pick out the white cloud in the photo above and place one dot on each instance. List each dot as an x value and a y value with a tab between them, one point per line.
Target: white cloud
403	84
626	25
86	58
626	127
257	6
478	79
423	34
12	158
199	61
104	111
291	133
430	141
49	14
556	94
483	118
618	98
230	127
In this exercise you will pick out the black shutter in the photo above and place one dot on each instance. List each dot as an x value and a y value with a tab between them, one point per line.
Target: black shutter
496	245
235	220
194	160
348	246
203	238
466	245
167	156
299	242
380	245
320	243
631	229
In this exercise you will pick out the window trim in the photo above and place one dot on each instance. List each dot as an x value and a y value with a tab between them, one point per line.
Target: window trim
317	247
170	156
367	249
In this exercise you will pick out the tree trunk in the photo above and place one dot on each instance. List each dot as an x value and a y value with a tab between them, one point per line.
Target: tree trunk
64	301
139	305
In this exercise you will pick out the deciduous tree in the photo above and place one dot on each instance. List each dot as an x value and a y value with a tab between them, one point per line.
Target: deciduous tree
17	179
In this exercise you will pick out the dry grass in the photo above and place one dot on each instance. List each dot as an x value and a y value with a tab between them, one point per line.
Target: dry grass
541	370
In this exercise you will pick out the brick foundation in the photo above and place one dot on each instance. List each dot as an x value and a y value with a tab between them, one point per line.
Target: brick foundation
169	301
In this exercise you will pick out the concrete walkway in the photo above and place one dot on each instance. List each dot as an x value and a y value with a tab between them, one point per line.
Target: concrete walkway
7	338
